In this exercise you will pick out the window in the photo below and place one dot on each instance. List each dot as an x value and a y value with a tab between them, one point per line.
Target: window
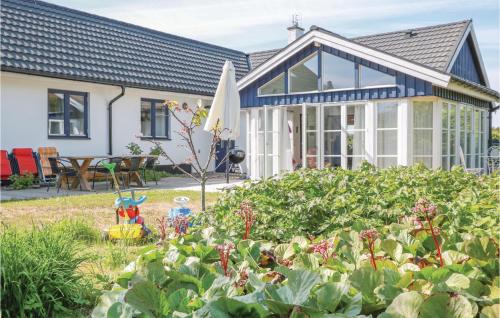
387	134
355	131
422	133
67	114
337	72
303	77
275	86
370	77
155	119
449	133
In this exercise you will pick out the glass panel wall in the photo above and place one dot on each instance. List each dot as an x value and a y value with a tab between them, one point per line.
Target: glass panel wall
448	137
387	134
332	136
273	87
370	77
303	77
422	133
355	134
312	137
337	72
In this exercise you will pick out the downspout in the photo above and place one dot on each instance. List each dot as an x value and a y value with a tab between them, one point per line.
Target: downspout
110	119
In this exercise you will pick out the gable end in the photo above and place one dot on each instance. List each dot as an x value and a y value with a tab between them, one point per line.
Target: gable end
467	64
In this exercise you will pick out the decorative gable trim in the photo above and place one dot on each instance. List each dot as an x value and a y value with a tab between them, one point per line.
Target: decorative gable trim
319	36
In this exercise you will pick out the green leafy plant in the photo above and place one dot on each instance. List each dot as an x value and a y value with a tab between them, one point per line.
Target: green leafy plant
134	149
312	202
156	150
19	182
202	275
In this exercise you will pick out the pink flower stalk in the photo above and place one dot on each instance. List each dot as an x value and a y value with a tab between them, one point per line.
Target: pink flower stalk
181	224
162	227
425	209
370	236
224	251
246	213
322	248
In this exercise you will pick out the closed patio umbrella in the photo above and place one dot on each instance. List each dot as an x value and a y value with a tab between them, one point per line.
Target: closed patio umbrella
225	109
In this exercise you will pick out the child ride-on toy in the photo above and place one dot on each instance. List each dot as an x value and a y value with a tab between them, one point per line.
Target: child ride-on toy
127	208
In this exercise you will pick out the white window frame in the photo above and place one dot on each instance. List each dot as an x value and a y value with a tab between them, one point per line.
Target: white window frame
401	152
432	156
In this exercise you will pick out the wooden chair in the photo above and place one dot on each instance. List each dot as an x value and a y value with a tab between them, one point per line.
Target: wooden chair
44	153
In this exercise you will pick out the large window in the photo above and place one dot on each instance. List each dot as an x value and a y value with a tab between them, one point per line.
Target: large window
449	135
422	133
337	72
67	114
275	86
370	77
155	121
303	77
387	134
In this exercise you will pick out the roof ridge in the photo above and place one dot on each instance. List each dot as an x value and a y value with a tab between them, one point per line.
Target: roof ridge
115	22
412	29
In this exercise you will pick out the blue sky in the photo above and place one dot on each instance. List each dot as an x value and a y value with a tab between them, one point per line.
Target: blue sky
252	25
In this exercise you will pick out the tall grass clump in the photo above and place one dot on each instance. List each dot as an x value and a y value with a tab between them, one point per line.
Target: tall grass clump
40	274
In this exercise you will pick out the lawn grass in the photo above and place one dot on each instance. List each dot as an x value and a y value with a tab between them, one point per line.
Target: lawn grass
97	209
85	217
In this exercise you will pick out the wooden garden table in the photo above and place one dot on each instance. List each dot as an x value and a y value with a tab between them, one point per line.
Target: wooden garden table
81	165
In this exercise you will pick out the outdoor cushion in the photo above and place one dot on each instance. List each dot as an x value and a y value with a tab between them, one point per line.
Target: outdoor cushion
5	168
25	161
44	154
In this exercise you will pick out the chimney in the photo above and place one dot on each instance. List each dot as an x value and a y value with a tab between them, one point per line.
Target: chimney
294	31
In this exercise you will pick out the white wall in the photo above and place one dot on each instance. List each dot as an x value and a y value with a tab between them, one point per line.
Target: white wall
23	112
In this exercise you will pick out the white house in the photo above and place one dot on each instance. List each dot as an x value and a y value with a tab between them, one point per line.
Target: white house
90	85
395	98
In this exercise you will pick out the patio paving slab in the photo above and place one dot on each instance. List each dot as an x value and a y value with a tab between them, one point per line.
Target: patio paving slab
214	184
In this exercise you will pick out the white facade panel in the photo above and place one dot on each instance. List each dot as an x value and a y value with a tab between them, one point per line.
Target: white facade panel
24	113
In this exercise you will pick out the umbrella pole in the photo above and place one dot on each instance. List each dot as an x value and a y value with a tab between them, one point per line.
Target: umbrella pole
227	161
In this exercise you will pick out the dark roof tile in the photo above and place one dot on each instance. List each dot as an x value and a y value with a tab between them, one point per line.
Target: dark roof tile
57	41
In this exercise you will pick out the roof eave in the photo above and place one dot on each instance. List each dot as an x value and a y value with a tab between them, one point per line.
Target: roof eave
103	82
473	89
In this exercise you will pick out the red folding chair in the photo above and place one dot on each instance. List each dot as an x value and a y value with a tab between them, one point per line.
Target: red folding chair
25	161
5	167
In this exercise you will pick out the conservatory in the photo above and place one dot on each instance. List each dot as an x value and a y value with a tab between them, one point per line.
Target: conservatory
326	101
